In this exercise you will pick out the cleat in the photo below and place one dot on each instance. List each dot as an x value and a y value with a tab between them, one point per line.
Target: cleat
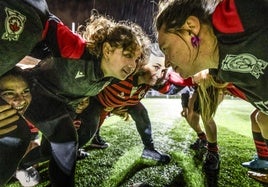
98	142
212	162
156	155
261	177
256	164
81	154
28	177
199	144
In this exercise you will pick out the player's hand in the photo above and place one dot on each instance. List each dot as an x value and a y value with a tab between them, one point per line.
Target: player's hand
77	123
8	115
184	112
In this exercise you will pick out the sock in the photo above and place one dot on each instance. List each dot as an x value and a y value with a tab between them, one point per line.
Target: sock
261	145
213	147
202	136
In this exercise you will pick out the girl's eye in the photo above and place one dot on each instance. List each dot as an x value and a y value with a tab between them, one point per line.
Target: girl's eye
128	55
13	95
156	68
164	50
8	95
26	92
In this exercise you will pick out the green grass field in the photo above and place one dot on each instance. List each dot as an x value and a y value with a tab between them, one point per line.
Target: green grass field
121	165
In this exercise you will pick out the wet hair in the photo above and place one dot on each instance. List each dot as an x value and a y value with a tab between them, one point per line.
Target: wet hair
16	72
145	46
173	13
124	34
155	50
210	91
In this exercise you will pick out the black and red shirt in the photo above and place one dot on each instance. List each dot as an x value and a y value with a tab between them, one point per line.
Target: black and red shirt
123	93
241	29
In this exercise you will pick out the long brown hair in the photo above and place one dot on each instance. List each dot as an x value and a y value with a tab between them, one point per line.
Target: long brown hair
210	92
123	34
173	13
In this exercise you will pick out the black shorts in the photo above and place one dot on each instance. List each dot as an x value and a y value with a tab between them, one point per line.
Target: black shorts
196	105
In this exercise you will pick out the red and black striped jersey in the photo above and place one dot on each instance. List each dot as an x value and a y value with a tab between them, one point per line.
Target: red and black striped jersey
123	93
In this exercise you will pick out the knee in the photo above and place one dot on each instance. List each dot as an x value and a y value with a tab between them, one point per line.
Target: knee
262	120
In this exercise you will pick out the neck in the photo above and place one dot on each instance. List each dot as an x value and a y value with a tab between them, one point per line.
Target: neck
208	51
104	68
140	80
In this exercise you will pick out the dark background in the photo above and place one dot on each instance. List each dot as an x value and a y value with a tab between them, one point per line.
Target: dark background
77	11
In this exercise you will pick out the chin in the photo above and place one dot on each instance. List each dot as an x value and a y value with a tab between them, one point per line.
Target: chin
152	83
122	77
183	75
78	111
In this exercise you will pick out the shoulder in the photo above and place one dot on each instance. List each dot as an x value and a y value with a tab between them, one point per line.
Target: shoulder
236	16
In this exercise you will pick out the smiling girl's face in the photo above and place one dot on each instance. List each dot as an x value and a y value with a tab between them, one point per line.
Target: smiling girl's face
16	92
121	63
153	70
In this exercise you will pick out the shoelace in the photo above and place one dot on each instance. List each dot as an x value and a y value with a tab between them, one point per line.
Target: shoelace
27	176
100	140
30	174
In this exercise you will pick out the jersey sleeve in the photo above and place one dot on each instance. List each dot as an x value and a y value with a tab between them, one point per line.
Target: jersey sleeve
174	84
231	22
234	91
163	88
238	16
62	41
177	80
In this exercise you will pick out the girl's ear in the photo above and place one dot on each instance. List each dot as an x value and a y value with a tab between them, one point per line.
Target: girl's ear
192	23
106	50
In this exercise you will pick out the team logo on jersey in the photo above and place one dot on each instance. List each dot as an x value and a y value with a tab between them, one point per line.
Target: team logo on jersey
14	25
244	63
121	95
79	74
133	90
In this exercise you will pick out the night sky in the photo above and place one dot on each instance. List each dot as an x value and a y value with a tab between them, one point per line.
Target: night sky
139	11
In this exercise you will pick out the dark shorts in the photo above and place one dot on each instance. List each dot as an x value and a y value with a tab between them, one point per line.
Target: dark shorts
196	105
